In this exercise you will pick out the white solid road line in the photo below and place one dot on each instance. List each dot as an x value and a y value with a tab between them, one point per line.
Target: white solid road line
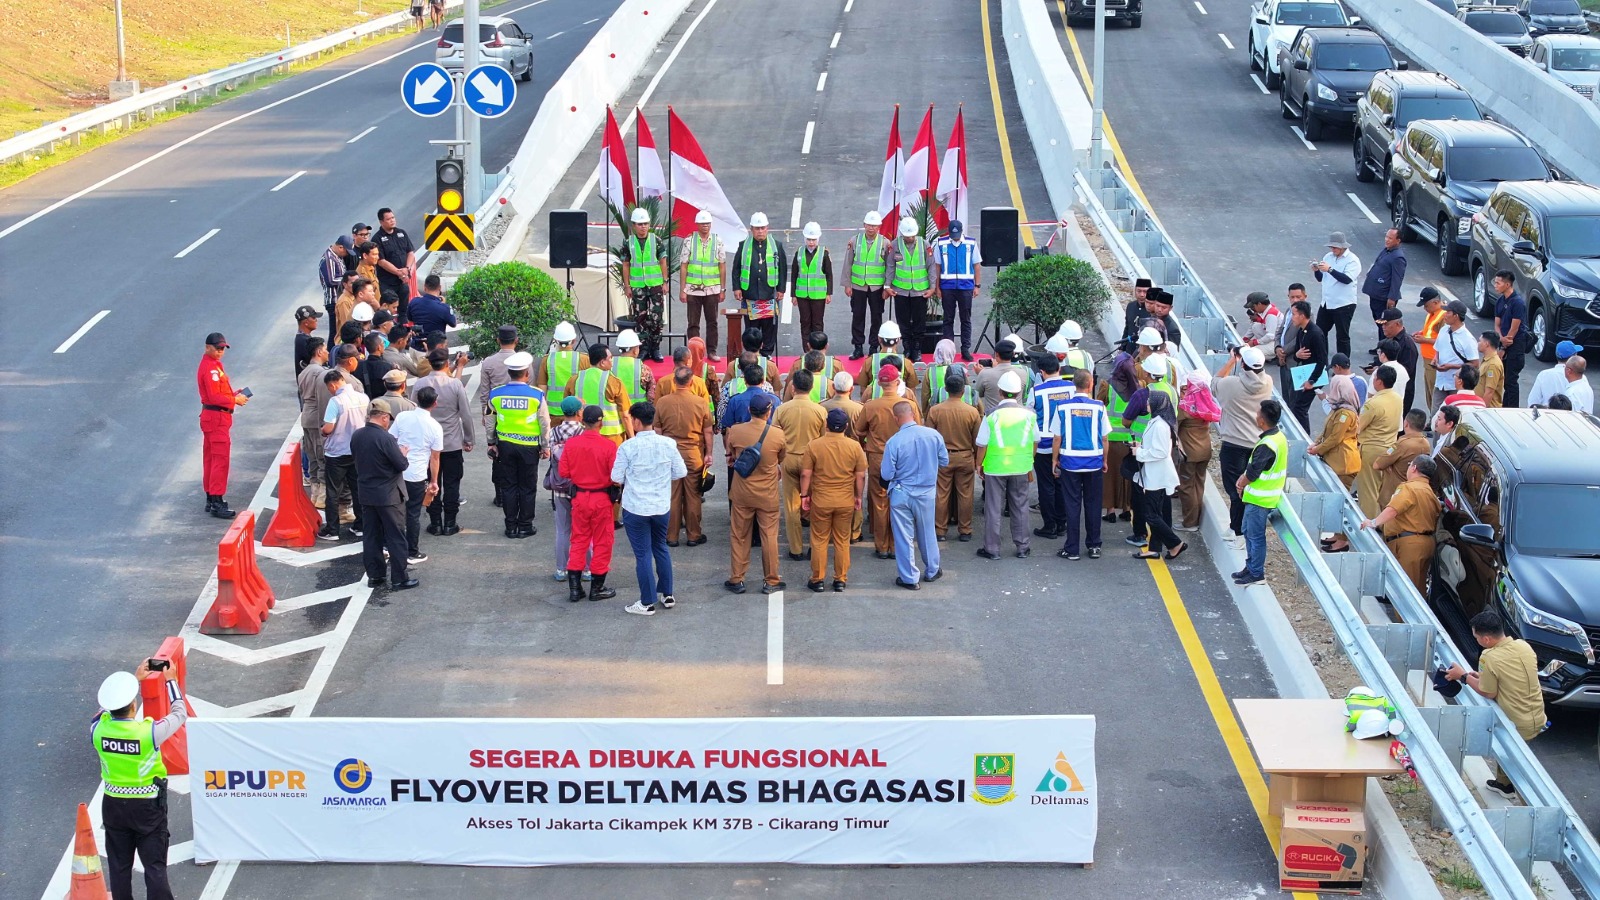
203	238
848	4
1302	136
775	638
1225	42
805	145
362	135
67	344
1201	8
1257	80
287	181
1363	207
794	214
822	81
834	45
591	21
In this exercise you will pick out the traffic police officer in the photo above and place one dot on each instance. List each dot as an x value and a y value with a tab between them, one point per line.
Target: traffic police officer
647	278
956	259
134	808
217	402
521	419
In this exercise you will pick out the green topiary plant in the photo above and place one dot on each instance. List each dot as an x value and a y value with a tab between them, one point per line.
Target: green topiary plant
509	293
1047	290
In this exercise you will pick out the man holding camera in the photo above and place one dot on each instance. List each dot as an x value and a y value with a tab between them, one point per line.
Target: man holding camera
134	808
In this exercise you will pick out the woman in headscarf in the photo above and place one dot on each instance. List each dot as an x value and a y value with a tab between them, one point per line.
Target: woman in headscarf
1158	479
1194	439
1115	392
1337	445
944	358
705	377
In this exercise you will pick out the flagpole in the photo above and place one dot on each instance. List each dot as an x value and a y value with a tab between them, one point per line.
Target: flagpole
896	165
961	160
672	261
638	173
605	283
927	206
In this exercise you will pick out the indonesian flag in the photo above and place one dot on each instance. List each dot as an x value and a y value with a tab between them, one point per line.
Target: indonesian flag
616	182
953	175
652	182
921	177
894	163
695	187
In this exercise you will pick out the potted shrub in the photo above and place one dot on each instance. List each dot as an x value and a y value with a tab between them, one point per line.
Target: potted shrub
1045	291
509	293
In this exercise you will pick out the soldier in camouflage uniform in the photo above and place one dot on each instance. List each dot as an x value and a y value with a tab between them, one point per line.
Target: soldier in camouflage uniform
646	260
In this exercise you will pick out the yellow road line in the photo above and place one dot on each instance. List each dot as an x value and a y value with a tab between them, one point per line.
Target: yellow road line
1000	126
1216	701
1088	87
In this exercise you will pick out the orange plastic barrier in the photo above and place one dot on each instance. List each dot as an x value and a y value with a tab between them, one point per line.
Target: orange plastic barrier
243	595
87	882
296	522
153	690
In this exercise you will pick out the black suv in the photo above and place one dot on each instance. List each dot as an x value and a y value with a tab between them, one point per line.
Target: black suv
1325	72
1548	234
1443	173
1499	24
1396	99
1130	11
1513	485
1553	17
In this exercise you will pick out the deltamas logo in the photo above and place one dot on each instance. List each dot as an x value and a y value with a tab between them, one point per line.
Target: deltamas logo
256	782
353	777
1059	779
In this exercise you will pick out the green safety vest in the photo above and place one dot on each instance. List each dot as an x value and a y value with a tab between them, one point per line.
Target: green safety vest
820	380
1013	437
644	263
737	378
704	267
875	363
1267	490
774	274
627	369
911	272
936	391
559	367
812	283
516	415
1077	359
592	391
130	760
867	266
1143	422
1119	432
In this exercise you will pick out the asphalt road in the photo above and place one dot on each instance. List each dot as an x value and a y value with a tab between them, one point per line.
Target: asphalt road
103	545
1250	204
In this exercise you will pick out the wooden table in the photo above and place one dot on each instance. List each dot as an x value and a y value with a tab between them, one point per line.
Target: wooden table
1302	744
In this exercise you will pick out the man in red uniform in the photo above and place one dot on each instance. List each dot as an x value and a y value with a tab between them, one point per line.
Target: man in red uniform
217	402
586	461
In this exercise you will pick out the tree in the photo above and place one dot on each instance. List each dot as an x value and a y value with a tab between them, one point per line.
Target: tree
1047	290
509	293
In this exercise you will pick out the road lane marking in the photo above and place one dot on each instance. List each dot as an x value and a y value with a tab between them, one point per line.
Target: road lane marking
362	135
67	344
1446	294
1225	42
1302	136
805	145
794	214
848	4
287	181
1259	84
591	21
203	238
1363	207
822	81
1111	136
834	45
775	638
1201	8
556	35
999	122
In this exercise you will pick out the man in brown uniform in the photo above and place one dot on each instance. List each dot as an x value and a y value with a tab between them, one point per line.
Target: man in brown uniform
843	384
957	422
874	427
1375	437
833	482
682	415
1410	520
1508	674
1194	438
1412	444
802	420
754	500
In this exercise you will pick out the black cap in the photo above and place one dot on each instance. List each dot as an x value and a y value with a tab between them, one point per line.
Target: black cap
382	316
760	403
838	420
360	226
1457	307
1256	298
506	334
1340	361
347	351
306	312
1428	293
1391	315
1445	686
215	339
592	414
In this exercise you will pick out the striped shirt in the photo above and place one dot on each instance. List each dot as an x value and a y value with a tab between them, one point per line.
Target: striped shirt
1080	425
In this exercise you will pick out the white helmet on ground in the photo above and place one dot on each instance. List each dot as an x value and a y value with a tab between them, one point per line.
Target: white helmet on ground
1149	337
908	227
889	331
564	332
627	339
872	218
1010	383
117	691
758	220
641	216
1071	330
812	231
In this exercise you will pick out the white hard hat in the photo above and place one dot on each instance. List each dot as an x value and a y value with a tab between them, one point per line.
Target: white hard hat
627	339
812	231
1017	342
1149	337
1057	344
759	220
565	332
1071	331
873	217
117	691
908	227
1154	366
520	361
641	216
1372	723
1010	383
842	381
889	331
702	218
1252	357
362	313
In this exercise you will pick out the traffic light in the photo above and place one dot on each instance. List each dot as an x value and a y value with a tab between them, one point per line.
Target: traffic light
447	184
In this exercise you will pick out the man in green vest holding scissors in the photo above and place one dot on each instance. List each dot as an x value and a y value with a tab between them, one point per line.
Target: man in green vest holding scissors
912	276
646	260
134	808
1261	487
812	276
760	279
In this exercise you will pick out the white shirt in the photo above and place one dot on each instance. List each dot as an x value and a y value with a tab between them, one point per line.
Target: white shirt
646	466
1155	453
420	437
1453	347
1547	384
1334	294
1581	395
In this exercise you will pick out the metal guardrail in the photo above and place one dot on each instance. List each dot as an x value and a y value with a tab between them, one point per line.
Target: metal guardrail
1501	844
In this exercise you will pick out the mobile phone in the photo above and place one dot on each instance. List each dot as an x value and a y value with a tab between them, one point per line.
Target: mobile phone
245	393
157	665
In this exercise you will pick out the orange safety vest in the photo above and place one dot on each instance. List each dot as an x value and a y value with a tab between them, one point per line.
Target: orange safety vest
1430	329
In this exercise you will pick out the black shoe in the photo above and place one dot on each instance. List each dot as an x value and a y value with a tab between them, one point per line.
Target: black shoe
376	582
799	557
513	532
1134	540
882	555
527	531
1064	553
908	585
734	587
221	510
449	529
407	585
575	590
211	503
416	556
1094	552
838	587
966	356
499	502
986	554
817	587
1248	580
1125	515
942	538
774	588
935	576
598	589
695	542
963	538
616	526
1047	533
434	528
1504	787
1024	554
1239	574
856	353
1109	517
672	543
354	531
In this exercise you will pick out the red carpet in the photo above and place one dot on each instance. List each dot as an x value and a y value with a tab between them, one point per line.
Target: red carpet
664	369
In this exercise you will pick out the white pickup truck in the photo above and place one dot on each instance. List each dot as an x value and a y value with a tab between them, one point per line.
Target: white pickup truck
1274	23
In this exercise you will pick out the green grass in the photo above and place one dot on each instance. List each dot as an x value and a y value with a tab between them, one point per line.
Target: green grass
1450	876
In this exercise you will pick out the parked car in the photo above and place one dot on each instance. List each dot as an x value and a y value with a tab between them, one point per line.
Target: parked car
501	42
1394	100
1570	58
1499	24
1274	23
1548	234
1448	6
1511	485
1553	17
1130	11
1326	71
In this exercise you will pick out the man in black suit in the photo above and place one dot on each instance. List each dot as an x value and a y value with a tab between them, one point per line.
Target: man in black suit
1306	345
380	486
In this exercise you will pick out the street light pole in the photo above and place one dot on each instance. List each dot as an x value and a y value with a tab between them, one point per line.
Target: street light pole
122	49
1097	140
474	157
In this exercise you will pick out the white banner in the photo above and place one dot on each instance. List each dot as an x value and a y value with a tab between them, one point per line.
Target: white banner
552	791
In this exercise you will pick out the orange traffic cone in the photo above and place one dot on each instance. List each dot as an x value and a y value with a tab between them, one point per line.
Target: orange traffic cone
87	882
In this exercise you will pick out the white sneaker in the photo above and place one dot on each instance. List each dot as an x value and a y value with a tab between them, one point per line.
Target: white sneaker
639	609
668	601
1235	541
1186	529
561	574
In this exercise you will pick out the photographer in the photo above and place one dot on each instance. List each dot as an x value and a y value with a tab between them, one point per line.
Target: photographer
134	808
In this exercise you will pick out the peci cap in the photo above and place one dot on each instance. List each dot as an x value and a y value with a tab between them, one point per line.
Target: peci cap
592	414
306	312
1143	283
760	403
571	406
118	691
1252	357
379	407
507	334
1428	293
1256	298
812	231
888	373
838	420
1391	315
521	361
395	376
1564	350
214	339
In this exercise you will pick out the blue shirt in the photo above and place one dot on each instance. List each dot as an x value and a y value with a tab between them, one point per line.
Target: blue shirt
1047	398
738	408
431	312
958	261
1507	309
913	456
1081	425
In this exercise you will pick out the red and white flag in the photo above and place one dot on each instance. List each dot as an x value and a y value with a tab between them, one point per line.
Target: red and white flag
695	187
953	175
652	181
894	163
921	179
616	181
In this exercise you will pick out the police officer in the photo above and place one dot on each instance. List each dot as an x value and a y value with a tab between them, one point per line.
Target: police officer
492	374
134	808
956	259
217	402
521	419
647	278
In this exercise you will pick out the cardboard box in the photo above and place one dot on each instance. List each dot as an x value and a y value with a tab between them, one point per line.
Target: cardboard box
1284	791
1323	848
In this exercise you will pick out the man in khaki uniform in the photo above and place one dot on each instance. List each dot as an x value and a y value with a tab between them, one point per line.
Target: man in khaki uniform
1412	444
683	416
753	501
802	420
1508	674
957	422
1410	521
1375	437
833	483
874	427
1491	370
843	385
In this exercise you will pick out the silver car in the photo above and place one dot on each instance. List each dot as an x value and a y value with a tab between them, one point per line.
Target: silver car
501	42
1573	59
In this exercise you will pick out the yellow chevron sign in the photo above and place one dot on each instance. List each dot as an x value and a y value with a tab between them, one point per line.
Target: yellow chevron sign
447	231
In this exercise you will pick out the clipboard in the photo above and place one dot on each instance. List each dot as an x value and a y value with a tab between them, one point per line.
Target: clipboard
1299	374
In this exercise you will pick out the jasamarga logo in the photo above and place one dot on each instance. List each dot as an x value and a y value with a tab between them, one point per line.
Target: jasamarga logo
353	777
256	782
1059	779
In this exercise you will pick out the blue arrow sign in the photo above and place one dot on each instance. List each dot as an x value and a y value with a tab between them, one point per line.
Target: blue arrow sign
489	91
427	89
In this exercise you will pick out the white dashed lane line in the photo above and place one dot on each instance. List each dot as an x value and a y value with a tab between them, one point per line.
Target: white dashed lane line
67	344
1302	136
834	44
805	145
1225	42
794	213
287	181
1363	207
822	81
362	135
1259	84
1201	8
203	238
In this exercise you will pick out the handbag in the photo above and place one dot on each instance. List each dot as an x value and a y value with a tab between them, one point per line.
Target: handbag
750	457
1130	466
